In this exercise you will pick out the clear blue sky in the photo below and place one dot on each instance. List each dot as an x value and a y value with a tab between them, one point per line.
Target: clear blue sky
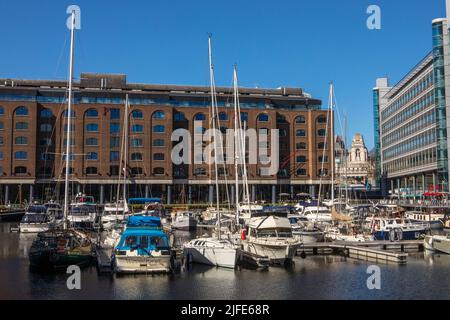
305	43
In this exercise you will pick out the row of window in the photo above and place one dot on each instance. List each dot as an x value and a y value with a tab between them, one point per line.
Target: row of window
409	95
416	142
406	114
410	162
418	124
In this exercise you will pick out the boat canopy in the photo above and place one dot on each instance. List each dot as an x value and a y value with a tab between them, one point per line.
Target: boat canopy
144	221
144	200
270	222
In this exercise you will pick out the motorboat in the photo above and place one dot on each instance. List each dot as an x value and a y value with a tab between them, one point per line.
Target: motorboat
185	220
318	214
143	247
304	230
247	211
439	243
55	210
211	251
57	249
434	220
114	213
271	236
395	229
36	219
83	212
336	234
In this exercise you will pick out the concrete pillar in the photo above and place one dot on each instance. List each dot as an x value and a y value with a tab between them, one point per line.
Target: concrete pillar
398	187
189	194
253	193
434	182
274	193
6	194
169	194
292	192
232	194
312	190
102	193
424	187
392	186
211	194
31	193
146	191
78	188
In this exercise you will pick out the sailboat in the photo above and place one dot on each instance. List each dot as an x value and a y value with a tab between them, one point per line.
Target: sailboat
56	249
213	250
117	212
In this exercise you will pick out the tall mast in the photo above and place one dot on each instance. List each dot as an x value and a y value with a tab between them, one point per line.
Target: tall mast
332	140
69	120
236	146
213	107
125	152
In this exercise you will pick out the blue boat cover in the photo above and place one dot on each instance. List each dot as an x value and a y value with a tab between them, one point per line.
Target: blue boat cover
144	221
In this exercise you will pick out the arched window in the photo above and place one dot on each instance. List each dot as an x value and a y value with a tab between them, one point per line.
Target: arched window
21	155
21	140
323	159
91	170
136	156
199	117
300	133
137	128
46	127
159	129
92	127
158	143
158	171
46	113
301	172
158	156
92	156
20	170
322	172
200	172
223	116
71	141
321	132
300	120
71	157
222	171
263	117
137	142
92	113
281	118
2	126
137	171
321	119
179	116
159	115
301	159
21	111
71	171
300	146
244	116
92	142
321	145
21	126
66	112
137	114
2	111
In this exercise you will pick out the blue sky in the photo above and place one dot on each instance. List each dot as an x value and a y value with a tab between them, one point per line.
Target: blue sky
302	43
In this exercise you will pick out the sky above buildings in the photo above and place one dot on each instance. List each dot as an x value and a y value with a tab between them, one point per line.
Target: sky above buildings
301	43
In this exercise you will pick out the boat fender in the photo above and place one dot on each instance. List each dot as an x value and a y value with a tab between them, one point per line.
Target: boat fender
399	233
303	255
243	235
392	235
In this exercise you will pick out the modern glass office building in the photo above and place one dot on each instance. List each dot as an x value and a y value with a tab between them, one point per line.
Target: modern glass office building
411	135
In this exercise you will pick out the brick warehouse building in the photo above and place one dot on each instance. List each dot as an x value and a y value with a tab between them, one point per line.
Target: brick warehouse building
32	131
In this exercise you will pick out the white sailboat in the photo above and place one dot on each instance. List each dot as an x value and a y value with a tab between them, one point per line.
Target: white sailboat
213	250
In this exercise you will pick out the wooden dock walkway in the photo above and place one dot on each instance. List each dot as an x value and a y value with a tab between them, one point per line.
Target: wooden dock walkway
390	252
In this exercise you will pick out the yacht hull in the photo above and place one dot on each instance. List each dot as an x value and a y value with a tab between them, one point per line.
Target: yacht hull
406	235
437	243
33	228
142	264
52	260
220	257
309	237
278	254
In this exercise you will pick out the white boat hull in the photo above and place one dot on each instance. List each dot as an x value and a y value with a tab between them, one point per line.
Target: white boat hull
308	237
33	228
220	257
142	264
277	253
185	224
437	243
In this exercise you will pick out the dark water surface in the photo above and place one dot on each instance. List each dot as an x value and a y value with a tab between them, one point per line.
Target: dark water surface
426	276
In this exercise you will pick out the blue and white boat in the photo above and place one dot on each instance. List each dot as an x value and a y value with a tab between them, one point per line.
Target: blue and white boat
143	247
395	229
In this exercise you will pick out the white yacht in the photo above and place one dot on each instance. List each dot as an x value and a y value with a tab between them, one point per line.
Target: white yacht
318	214
185	220
82	212
335	234
439	243
114	213
246	211
271	237
36	220
212	251
304	230
435	220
